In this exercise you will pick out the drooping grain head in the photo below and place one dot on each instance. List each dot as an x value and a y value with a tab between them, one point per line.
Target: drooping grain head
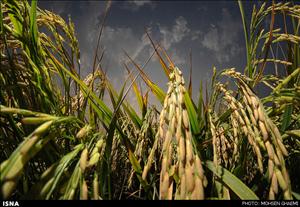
177	150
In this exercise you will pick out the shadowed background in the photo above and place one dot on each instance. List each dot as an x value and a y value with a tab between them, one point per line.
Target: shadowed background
197	34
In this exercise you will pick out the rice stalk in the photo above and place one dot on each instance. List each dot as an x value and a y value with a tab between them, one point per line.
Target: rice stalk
247	127
271	138
178	156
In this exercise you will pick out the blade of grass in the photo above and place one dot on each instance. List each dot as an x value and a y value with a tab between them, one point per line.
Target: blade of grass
162	62
158	92
235	184
192	114
190	79
242	11
136	90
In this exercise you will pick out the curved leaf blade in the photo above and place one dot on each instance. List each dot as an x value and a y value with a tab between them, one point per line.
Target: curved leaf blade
235	184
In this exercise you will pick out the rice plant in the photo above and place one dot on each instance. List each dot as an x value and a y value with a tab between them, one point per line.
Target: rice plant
60	140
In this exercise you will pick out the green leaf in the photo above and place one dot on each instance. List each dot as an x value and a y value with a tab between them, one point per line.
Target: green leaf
235	184
63	164
33	23
73	183
157	91
250	72
296	195
295	132
134	162
161	61
286	117
192	114
98	105
126	106
287	80
133	115
15	17
136	90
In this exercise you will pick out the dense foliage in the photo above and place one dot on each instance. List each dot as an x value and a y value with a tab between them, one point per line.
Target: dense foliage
59	139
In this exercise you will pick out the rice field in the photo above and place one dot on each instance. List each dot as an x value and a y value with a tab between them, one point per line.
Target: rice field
60	139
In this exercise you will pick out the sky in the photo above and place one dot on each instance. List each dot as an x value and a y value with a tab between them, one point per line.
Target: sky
210	30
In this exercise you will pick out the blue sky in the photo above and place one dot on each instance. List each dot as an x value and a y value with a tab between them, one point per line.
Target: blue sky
212	30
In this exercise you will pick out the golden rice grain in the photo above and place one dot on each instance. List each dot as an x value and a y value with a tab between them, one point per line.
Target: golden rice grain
190	181
83	131
261	115
274	183
95	187
281	180
263	130
271	194
182	152
270	168
198	192
270	150
84	191
7	188
83	159
185	118
282	147
164	186
94	159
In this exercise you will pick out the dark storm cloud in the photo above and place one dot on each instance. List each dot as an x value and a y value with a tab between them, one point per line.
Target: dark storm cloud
212	30
135	5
